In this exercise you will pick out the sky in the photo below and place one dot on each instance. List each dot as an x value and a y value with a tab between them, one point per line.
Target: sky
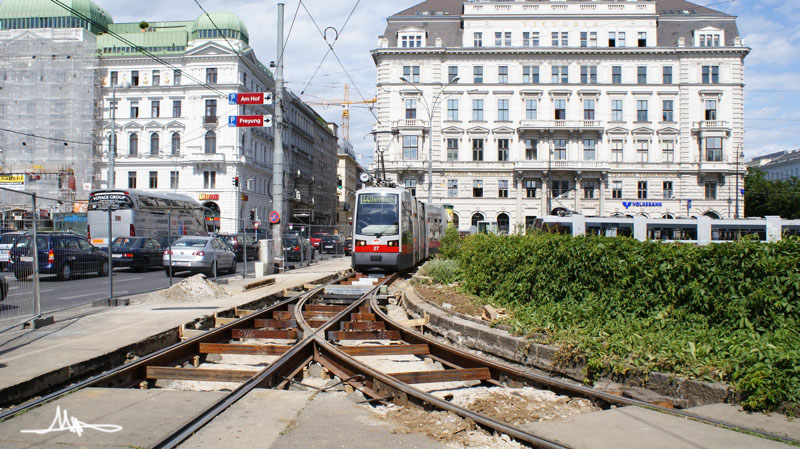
769	27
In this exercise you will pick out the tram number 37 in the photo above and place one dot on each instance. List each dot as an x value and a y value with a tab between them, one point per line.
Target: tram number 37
375	248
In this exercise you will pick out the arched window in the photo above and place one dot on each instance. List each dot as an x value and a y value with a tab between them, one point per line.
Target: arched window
503	223
211	142
133	144
154	144
712	214
176	144
476	217
455	221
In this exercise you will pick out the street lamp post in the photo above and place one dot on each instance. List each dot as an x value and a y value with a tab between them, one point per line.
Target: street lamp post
738	153
112	152
549	183
430	109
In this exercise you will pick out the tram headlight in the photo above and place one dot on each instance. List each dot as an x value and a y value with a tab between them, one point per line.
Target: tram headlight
361	243
393	243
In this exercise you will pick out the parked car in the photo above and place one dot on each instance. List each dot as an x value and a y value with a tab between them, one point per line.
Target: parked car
59	253
332	243
6	243
237	243
139	253
199	254
308	252
348	246
316	238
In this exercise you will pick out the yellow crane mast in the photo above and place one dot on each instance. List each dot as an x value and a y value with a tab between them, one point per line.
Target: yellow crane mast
345	103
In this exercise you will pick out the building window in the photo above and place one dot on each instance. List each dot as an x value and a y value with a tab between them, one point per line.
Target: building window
131	179
211	143
477	110
502	188
176	144
642	41
452	188
588	74
173	179
530	109
714	149
176	77
612	39
176	108
641	74
589	149
531	149
616	74
588	189
209	180
530	38
711	190
211	75
153	179
134	109
530	188
477	74
616	111
616	150
641	110
560	74
560	109
560	149
502	110
211	108
411	41
411	185
452	109
668	192
477	188
452	73
530	74
133	144
134	78
616	190
643	150
667	74
584	39
411	73
641	190
502	150
452	149
156	78
711	110
588	109
477	39
114	78
668	113
621	39
411	109
410	147
502	74
558	188
668	151
502	39
477	149
155	109
154	144
554	38
710	74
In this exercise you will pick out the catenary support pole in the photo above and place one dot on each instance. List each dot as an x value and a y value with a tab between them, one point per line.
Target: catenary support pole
37	299
277	159
110	268
169	245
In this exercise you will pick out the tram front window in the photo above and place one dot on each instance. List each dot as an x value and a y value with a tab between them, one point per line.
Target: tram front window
377	214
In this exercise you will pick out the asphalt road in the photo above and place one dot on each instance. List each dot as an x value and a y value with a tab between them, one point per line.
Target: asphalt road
84	289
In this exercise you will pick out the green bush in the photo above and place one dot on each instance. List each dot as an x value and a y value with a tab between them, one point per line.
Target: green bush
718	312
451	243
443	271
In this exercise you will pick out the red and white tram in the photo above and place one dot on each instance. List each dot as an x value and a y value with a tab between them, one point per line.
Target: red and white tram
393	231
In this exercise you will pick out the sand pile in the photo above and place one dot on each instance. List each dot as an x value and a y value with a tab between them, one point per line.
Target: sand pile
192	289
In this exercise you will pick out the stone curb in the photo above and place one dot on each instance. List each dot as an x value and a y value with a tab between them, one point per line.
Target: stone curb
472	333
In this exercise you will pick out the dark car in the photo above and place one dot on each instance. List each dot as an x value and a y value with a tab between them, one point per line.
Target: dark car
293	250
237	243
306	250
332	243
59	253
316	238
348	246
139	253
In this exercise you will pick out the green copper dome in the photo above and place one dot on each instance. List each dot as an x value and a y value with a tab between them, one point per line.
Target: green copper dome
230	24
47	14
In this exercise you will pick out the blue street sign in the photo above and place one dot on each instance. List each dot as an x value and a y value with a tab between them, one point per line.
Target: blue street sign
741	191
232	121
231	98
688	204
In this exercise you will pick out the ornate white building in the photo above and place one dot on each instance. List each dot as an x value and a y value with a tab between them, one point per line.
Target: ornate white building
592	107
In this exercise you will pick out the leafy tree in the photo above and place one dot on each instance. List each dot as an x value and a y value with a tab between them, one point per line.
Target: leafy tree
763	197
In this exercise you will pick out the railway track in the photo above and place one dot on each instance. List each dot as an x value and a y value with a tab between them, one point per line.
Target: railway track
344	327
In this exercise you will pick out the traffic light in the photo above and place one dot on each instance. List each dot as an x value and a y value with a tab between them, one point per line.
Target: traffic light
252	215
236	181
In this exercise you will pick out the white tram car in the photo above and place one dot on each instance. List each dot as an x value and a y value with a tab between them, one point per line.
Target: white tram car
393	231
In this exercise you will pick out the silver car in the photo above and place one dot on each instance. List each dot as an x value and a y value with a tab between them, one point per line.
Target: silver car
6	243
199	254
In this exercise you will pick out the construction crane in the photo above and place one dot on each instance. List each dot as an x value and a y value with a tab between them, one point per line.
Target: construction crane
345	103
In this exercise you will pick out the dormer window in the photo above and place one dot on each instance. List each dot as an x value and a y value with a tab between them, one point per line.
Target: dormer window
709	37
411	40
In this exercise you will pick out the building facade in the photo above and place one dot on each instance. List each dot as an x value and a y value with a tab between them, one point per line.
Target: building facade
556	107
348	172
780	166
169	83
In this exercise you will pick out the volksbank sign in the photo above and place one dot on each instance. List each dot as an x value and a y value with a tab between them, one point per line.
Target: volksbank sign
628	204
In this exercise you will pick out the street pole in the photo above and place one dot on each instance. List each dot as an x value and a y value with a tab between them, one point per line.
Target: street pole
277	159
169	244
110	268
113	150
37	304
549	183
738	151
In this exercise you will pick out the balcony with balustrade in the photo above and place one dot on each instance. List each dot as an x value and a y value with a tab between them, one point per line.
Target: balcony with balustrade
565	125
